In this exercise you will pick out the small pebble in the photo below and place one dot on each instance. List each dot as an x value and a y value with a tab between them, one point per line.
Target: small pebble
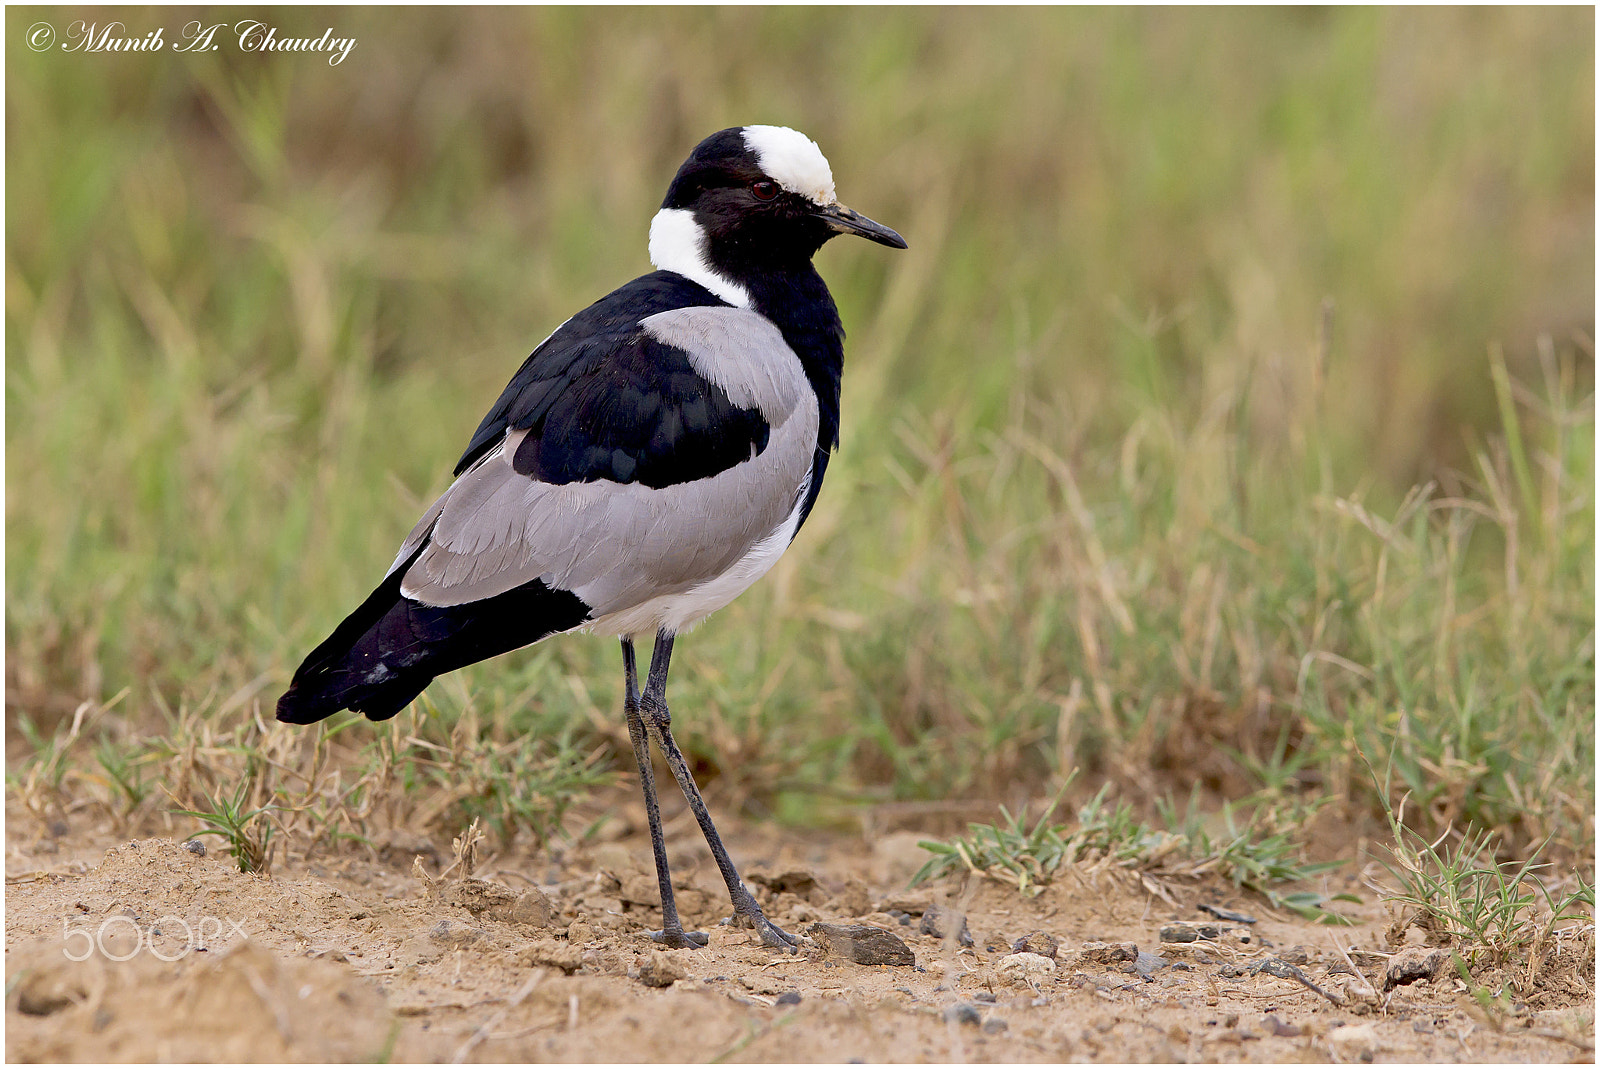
1025	968
936	922
1038	943
995	1025
660	969
789	999
1413	964
962	1014
1110	954
868	945
1279	1028
1147	964
195	847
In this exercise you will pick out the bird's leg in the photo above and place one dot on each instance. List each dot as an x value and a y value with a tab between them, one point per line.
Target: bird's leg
671	933
653	709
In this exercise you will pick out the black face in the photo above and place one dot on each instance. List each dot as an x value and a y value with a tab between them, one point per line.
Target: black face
750	219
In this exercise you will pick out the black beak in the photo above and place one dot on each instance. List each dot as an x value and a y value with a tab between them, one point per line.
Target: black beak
842	220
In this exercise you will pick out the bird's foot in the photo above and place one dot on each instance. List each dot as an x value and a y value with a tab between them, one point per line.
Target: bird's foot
771	935
680	939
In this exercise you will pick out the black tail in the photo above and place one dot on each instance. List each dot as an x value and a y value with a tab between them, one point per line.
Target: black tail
389	649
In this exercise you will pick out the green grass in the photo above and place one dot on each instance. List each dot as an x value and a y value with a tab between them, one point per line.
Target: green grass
249	838
1257	854
1229	421
1490	913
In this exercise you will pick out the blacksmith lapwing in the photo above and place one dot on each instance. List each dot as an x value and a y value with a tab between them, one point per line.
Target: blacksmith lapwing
648	462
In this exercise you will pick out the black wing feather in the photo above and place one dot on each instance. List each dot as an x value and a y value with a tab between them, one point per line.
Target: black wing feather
601	399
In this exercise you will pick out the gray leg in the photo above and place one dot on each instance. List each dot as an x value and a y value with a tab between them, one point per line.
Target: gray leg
653	710
671	932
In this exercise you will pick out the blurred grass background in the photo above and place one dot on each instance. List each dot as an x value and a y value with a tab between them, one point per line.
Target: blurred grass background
1228	423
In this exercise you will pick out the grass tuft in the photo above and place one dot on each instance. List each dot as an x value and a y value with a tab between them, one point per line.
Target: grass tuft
1251	855
246	831
1489	913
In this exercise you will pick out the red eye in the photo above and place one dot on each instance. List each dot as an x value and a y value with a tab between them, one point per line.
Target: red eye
764	191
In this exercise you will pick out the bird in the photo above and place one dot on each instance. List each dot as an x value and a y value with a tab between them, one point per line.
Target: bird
649	461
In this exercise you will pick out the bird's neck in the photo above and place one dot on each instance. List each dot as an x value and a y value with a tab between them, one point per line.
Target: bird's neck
780	283
798	302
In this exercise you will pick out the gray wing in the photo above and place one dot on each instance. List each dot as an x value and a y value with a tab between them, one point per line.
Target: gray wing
618	545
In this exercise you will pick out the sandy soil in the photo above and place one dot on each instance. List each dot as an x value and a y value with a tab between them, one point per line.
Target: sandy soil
363	956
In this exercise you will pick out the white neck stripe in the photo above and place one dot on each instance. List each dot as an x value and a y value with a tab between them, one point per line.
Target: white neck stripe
677	243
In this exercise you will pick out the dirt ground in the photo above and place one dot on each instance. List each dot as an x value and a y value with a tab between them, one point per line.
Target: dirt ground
370	955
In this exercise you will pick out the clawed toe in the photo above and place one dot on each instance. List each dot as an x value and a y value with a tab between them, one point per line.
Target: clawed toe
681	939
772	936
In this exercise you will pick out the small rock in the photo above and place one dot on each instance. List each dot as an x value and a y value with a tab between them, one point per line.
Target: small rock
1038	942
1147	964
1354	1043
563	956
937	921
1279	1028
1413	964
1111	954
962	1014
1025	969
453	934
532	907
500	902
659	969
195	847
789	999
1295	956
581	932
865	944
1179	933
995	1025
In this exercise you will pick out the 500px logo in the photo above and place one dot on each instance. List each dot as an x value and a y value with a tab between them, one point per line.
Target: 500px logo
119	938
250	35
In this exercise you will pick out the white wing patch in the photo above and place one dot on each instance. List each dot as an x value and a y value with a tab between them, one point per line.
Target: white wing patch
793	160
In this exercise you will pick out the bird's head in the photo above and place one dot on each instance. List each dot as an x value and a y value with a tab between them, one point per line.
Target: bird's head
751	199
